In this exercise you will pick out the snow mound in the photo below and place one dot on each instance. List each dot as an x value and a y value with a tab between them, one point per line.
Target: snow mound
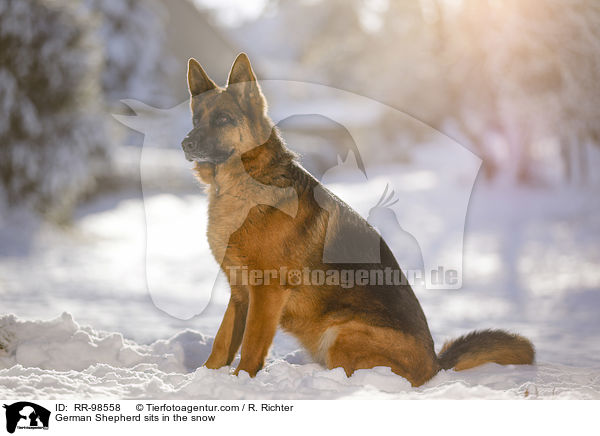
59	359
61	344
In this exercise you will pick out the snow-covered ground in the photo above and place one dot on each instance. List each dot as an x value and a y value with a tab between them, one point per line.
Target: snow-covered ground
85	323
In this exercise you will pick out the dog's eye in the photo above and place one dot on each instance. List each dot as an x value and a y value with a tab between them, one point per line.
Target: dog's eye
222	119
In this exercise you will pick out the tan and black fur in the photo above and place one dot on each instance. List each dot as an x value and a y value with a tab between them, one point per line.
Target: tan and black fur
263	214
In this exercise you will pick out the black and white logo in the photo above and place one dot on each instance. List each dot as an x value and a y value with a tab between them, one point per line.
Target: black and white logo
26	415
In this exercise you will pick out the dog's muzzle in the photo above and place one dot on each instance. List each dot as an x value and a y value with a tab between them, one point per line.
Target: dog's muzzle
189	148
205	153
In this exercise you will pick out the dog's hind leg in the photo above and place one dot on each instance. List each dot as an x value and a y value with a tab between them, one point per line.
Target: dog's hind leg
361	346
229	337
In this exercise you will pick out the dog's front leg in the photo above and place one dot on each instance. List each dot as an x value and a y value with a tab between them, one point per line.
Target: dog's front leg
264	312
230	334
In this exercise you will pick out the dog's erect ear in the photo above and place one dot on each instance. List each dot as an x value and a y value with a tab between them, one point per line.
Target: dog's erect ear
198	80
241	70
242	81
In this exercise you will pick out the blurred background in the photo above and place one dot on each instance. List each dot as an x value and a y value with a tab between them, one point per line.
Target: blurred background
516	82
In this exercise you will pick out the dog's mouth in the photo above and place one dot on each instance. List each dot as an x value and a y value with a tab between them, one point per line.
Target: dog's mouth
214	158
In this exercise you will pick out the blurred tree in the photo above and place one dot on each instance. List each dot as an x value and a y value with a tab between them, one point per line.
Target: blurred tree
383	50
516	81
468	84
529	71
405	68
132	34
337	40
52	133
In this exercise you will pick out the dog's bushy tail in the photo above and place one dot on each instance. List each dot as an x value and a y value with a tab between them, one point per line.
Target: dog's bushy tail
479	347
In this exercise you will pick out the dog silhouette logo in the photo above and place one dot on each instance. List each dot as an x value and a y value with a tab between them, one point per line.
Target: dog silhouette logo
26	415
407	250
332	130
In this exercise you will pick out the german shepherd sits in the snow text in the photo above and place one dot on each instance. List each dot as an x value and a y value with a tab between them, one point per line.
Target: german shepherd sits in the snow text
266	213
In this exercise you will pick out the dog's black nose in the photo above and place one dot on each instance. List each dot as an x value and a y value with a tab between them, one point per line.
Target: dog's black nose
187	144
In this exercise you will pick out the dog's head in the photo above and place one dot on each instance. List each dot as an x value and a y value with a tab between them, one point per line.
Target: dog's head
227	121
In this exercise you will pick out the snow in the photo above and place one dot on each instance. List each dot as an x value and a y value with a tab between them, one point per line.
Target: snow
61	359
78	320
62	344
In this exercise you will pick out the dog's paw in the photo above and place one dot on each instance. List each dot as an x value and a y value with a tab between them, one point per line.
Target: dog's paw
251	371
214	364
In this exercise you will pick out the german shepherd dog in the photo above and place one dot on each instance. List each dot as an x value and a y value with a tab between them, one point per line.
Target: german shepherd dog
266	213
